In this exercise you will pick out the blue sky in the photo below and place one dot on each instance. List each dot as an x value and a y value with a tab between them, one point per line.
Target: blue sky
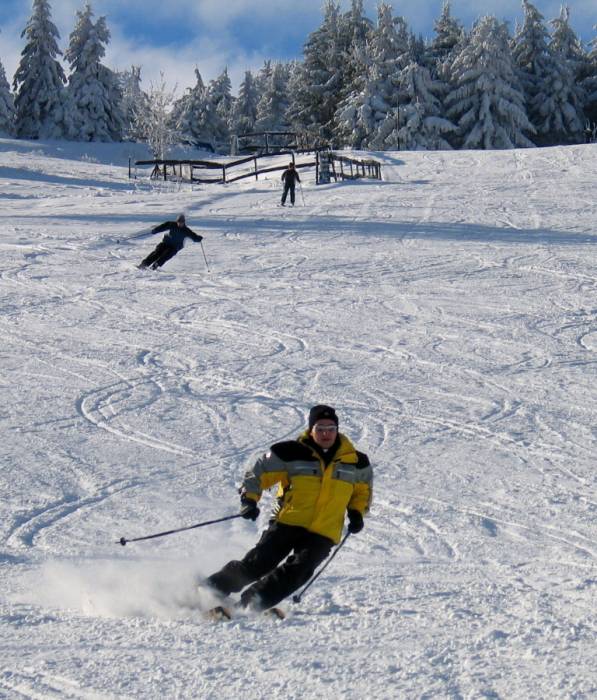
175	36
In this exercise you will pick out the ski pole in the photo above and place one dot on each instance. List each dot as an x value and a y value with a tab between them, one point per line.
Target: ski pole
124	540
302	195
204	256
134	236
297	598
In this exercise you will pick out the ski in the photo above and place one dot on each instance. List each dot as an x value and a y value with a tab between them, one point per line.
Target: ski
221	613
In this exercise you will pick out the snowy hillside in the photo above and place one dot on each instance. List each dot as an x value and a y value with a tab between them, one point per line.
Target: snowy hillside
450	315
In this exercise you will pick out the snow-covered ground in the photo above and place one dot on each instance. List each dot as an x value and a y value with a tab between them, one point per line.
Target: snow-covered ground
450	315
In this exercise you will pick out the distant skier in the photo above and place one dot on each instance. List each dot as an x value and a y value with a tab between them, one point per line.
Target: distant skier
289	177
172	242
321	478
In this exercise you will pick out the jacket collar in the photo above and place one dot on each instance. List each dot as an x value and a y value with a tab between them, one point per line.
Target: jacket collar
341	448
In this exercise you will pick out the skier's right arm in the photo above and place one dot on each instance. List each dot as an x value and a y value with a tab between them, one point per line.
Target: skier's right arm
268	470
162	227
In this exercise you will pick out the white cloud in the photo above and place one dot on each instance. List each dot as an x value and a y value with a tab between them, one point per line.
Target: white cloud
209	55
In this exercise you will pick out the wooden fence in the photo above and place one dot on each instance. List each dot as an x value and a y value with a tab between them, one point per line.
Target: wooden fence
339	167
349	168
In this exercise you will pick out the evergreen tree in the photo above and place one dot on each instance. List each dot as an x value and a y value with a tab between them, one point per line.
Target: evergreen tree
590	84
449	34
40	100
417	50
317	90
263	77
244	113
565	42
219	110
93	89
486	103
374	95
558	104
273	104
354	30
189	115
359	115
7	110
532	58
133	99
422	126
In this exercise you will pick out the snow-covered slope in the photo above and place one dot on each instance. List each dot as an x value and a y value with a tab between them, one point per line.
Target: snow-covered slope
450	315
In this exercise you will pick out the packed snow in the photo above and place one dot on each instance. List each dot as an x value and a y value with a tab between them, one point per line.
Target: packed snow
448	312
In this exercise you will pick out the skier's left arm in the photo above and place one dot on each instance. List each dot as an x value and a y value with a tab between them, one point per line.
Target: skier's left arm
363	487
194	236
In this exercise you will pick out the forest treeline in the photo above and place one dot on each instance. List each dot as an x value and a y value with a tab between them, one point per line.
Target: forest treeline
363	83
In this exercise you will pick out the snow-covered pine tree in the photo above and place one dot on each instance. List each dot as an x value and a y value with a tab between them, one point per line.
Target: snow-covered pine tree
486	102
189	115
133	98
273	103
449	34
565	42
219	110
354	30
422	126
263	77
359	115
40	98
590	86
417	50
153	120
374	94
244	112
93	88
7	110
532	58
316	94
558	104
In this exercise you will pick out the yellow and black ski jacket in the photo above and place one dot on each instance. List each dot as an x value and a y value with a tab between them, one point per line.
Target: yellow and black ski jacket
314	491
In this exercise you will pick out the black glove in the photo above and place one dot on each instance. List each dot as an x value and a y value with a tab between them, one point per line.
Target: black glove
249	509
355	522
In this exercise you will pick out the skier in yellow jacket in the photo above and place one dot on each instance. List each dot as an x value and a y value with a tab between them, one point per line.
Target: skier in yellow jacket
321	478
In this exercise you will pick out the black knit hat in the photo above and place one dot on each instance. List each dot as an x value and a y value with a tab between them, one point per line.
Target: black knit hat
321	411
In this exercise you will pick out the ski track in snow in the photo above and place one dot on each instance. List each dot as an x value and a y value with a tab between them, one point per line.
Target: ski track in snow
449	312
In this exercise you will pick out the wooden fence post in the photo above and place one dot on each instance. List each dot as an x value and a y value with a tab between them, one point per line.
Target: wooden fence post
256	173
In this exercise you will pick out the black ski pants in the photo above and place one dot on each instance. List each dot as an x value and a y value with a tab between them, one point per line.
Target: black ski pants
288	187
162	253
273	583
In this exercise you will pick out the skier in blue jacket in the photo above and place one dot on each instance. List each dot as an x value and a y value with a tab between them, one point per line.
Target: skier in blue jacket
172	242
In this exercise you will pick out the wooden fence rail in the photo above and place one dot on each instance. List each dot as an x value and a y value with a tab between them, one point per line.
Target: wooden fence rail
339	167
353	168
